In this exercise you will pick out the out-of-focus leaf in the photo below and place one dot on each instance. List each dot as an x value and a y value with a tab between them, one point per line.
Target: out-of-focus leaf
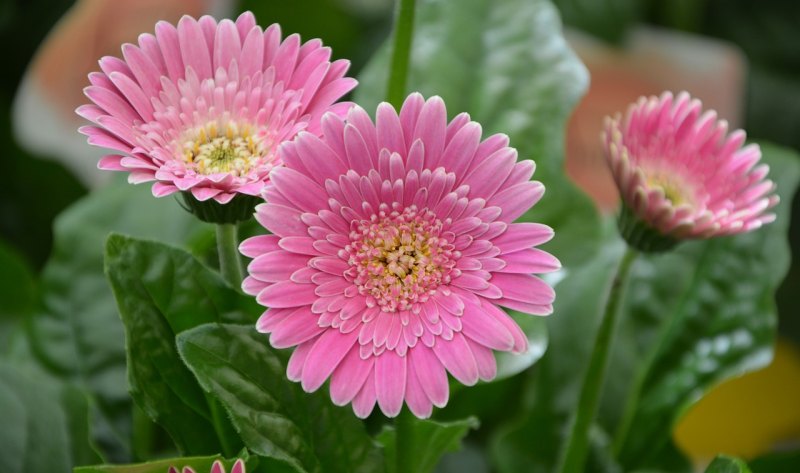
719	295
423	443
17	293
726	464
506	64
77	334
274	417
162	291
776	462
34	190
44	423
608	20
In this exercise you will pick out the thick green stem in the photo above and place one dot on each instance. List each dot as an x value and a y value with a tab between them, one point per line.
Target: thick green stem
218	420
230	262
402	428
573	455
401	52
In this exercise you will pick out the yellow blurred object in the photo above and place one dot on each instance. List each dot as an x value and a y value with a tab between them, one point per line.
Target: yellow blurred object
747	416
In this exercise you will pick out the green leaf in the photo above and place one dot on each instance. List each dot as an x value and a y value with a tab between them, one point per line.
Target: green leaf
609	20
78	335
17	291
423	444
719	295
33	434
726	464
776	462
162	291
198	464
274	417
507	65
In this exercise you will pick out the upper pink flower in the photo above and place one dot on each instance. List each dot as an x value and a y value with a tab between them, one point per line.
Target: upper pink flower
682	174
203	107
392	249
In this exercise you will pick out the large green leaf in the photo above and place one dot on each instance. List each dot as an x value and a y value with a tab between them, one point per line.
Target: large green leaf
506	63
274	417
44	423
162	291
726	464
776	462
423	443
77	334
719	295
17	291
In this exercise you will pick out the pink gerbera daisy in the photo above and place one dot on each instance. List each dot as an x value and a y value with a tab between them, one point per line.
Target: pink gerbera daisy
392	248
202	108
681	175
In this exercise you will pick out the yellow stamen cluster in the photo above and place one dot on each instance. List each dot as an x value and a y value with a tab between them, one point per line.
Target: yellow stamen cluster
674	189
234	149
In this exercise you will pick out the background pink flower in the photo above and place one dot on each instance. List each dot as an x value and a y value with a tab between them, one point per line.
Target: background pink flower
392	249
203	107
682	174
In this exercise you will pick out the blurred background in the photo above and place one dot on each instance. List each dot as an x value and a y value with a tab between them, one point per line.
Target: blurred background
741	57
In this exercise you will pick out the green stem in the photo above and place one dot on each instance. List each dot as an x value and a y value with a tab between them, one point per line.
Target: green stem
218	420
230	262
573	455
402	427
401	52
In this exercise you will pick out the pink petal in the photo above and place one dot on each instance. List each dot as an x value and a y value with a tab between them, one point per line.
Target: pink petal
287	294
519	236
364	401
485	329
349	377
326	354
431	374
456	356
390	382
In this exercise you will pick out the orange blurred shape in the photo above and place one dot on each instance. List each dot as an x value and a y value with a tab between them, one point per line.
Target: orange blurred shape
650	62
90	30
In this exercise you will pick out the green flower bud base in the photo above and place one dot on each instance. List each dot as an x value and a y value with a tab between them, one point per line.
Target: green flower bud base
239	209
642	236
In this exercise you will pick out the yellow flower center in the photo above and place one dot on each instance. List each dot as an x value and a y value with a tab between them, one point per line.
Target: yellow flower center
234	149
675	190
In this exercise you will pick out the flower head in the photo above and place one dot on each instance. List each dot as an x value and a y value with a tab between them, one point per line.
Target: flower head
392	247
203	107
681	175
217	467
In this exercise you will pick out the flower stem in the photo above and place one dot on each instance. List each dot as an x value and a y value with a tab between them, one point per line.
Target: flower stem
401	52
230	262
573	455
402	428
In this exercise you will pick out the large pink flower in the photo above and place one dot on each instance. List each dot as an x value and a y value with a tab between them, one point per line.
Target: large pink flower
203	107
392	249
682	175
